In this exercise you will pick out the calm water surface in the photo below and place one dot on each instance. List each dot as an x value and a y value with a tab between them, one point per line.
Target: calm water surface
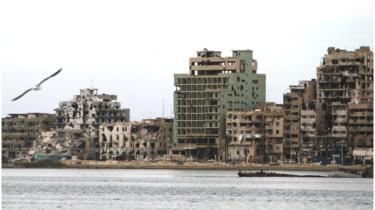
176	189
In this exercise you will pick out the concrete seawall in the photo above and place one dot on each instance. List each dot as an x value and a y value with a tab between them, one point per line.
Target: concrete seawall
204	166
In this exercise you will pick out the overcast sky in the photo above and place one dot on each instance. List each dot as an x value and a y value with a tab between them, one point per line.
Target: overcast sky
133	48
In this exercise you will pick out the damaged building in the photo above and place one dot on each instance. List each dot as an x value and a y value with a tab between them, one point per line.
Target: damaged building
345	92
300	99
78	120
19	132
146	140
255	136
274	131
360	126
246	136
214	85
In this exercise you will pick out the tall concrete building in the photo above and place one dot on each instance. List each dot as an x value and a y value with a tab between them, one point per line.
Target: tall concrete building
344	82
274	131
213	86
301	97
80	118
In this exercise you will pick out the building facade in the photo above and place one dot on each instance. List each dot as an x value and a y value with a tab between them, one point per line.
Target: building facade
246	132
360	126
274	131
301	97
146	140
344	82
214	85
19	132
79	119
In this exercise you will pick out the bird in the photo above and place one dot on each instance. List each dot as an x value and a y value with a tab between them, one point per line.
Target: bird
37	87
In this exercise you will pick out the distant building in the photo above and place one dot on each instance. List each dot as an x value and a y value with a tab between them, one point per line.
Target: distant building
255	136
301	97
146	140
246	136
213	86
19	132
80	118
360	125
344	82
274	131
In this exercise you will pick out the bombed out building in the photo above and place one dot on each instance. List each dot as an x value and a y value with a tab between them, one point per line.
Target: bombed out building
146	140
274	131
299	103
246	136
255	136
79	120
345	93
19	132
214	85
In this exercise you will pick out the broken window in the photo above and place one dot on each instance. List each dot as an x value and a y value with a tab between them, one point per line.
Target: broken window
242	66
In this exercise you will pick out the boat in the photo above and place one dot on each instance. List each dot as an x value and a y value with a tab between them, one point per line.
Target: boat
261	173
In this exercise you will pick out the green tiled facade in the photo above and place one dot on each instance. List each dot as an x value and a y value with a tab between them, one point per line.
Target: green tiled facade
213	86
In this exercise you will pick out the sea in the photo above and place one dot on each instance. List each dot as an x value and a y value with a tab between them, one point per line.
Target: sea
101	189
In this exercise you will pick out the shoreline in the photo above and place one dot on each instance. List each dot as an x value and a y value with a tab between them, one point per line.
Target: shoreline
84	164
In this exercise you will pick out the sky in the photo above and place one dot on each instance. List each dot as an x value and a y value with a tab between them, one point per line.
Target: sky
133	48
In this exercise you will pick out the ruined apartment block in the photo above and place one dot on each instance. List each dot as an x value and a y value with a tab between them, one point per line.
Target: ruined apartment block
146	140
246	136
79	119
360	126
274	131
19	132
213	86
309	140
344	78
255	136
301	97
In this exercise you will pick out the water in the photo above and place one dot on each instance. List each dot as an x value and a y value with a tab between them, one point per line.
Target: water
176	189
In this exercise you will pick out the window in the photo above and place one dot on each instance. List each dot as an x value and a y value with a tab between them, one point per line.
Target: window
242	66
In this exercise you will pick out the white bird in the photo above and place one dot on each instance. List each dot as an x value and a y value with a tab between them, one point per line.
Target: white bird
37	87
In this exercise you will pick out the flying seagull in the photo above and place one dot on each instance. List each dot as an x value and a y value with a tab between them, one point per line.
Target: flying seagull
37	87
